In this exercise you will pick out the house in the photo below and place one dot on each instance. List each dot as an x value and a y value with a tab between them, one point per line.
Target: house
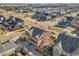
66	46
36	33
41	41
14	22
7	48
75	22
2	19
11	23
28	47
45	44
44	40
69	18
66	22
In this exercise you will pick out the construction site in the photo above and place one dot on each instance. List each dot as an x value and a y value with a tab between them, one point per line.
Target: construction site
39	30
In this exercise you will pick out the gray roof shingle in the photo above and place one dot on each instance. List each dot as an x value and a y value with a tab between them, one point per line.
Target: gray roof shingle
6	46
68	45
35	32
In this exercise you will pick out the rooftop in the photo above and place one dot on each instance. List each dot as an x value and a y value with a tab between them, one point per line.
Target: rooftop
6	46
